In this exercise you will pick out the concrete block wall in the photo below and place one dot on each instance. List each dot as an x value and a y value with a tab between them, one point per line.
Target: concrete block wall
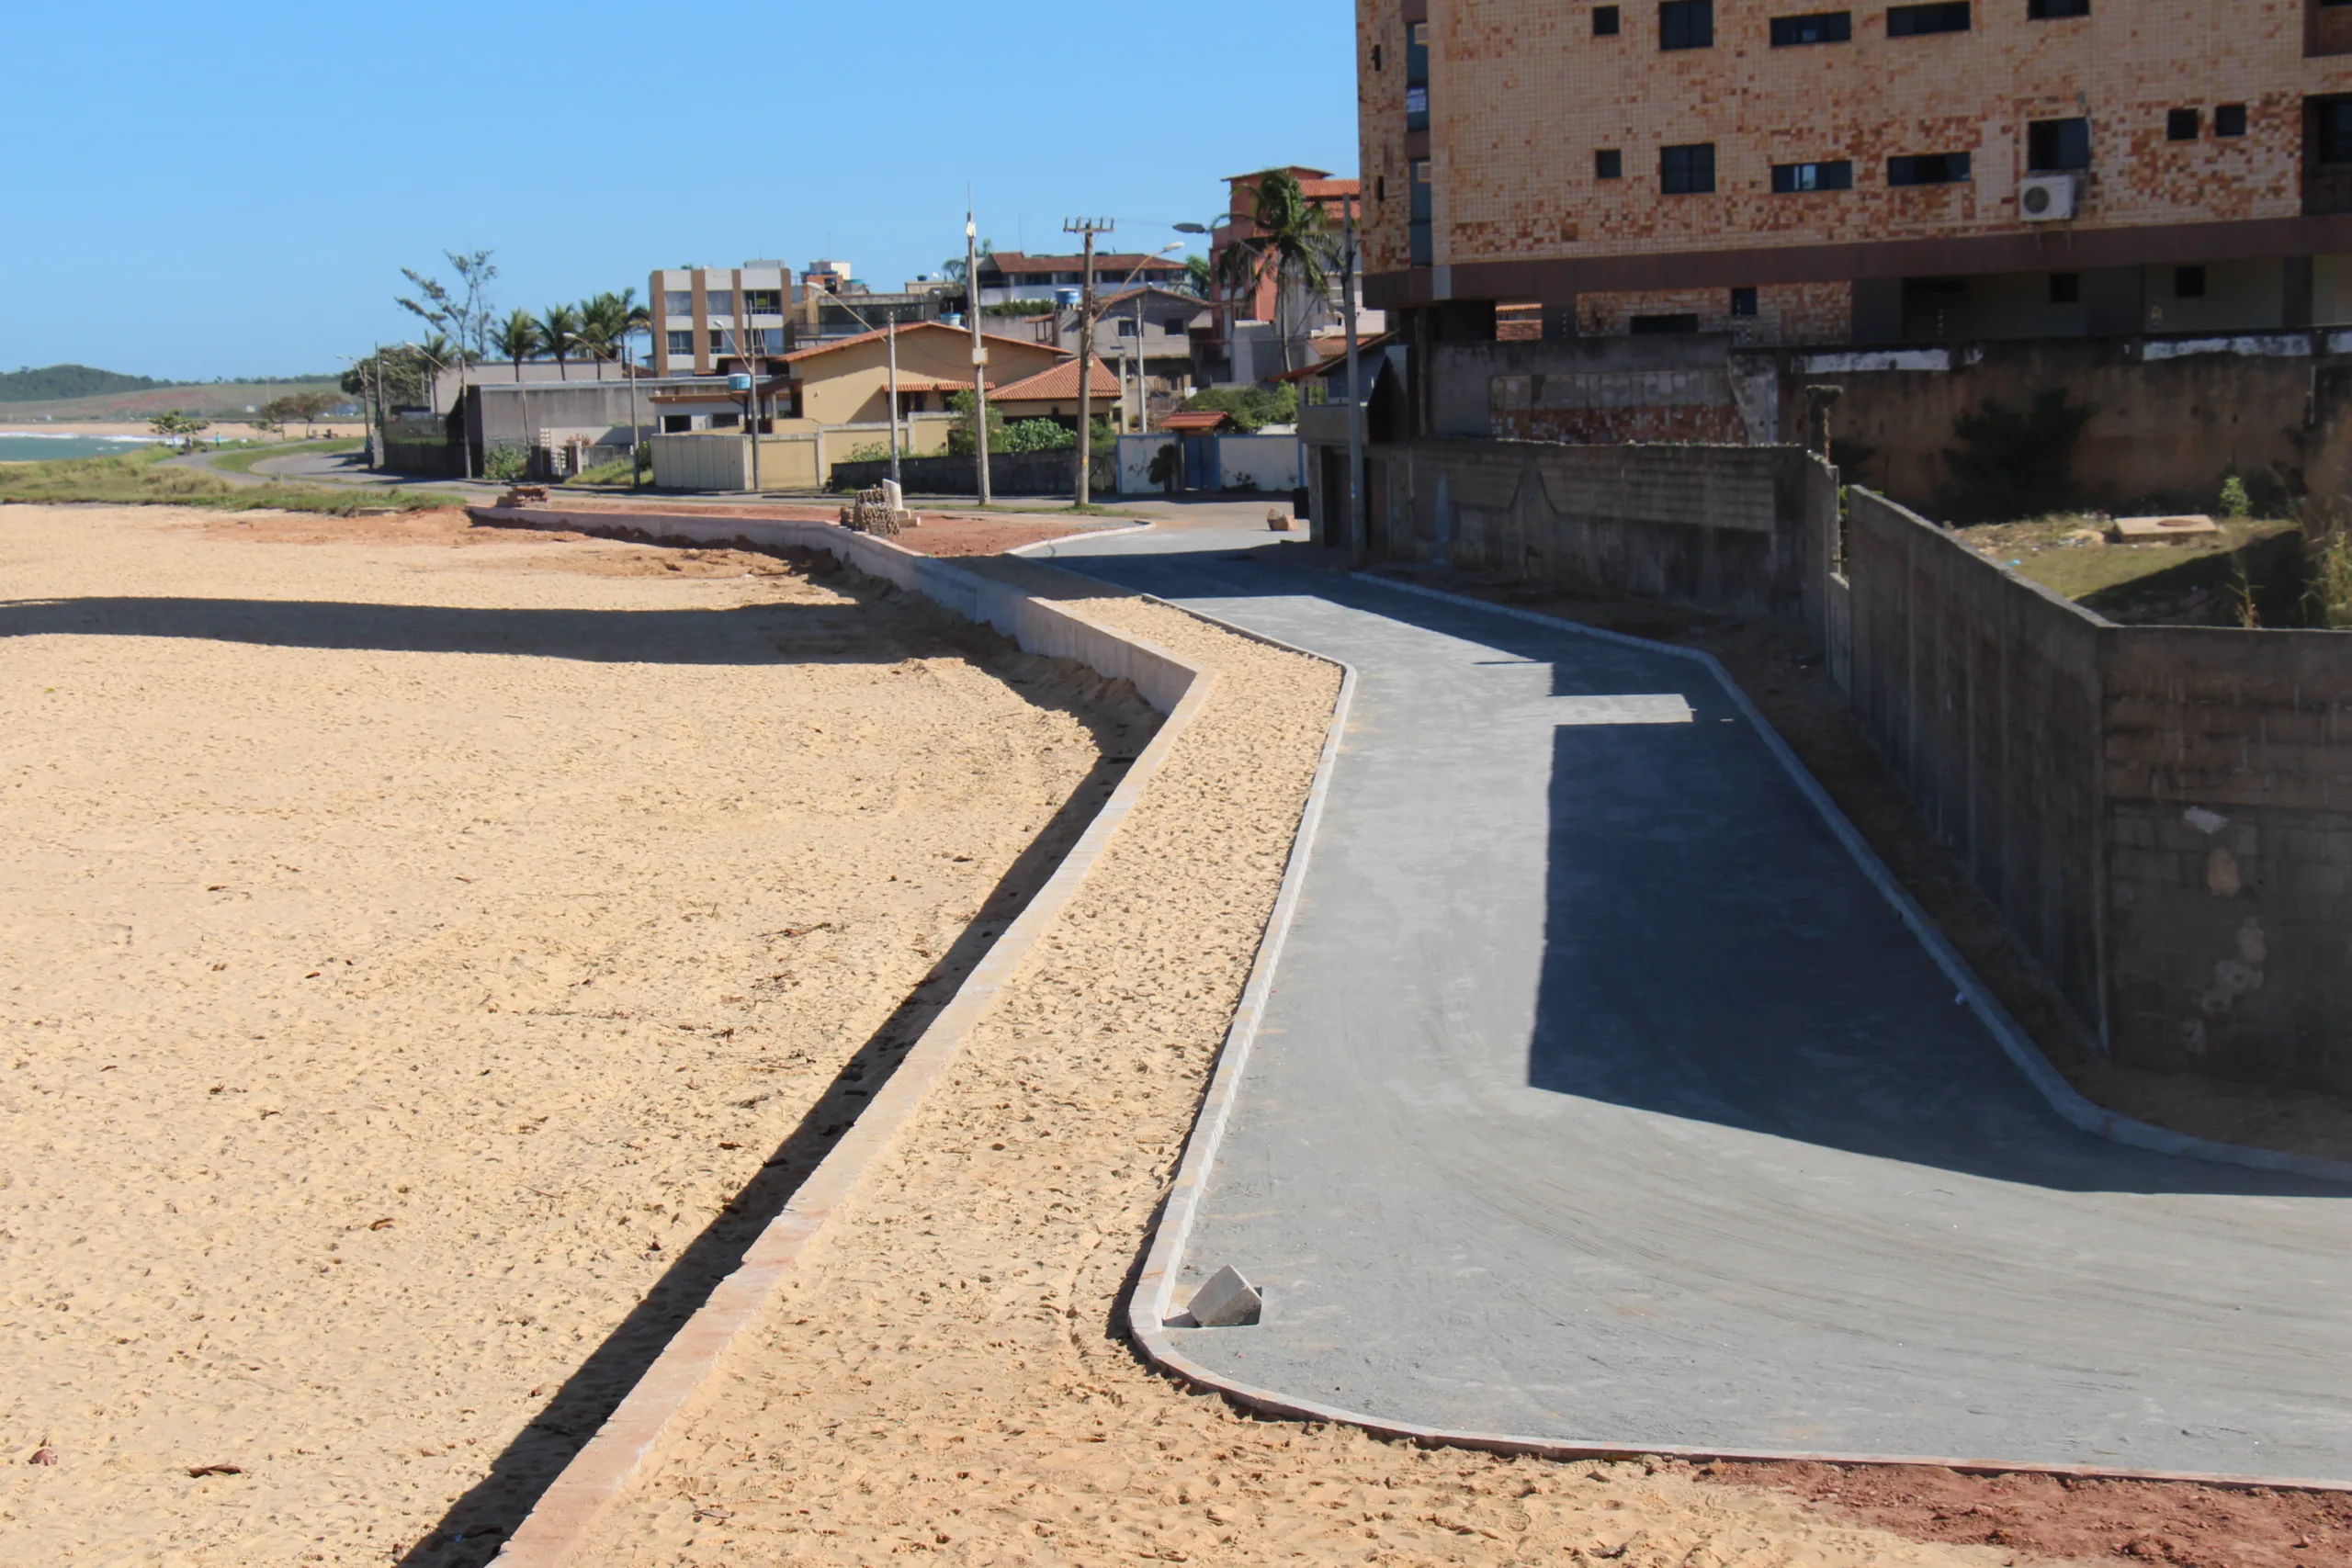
1722	527
2163	814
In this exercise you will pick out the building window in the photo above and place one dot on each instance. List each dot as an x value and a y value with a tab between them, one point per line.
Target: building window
1417	108
727	421
2188	283
1604	21
679	423
2047	10
1743	302
2229	119
678	302
1665	326
762	302
1422	232
1380	187
1375	57
1823	27
2335	127
683	343
1608	164
719	301
1687	171
2065	289
1927	169
2183	125
1918	21
2057	146
1686	24
1794	179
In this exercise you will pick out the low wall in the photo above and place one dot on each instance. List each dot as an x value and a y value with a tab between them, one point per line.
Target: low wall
1734	529
1009	473
424	459
2164	814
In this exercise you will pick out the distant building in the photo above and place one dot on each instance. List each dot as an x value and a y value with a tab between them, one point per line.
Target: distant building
718	320
1260	333
1008	277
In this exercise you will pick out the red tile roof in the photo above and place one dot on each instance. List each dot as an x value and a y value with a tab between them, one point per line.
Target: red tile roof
1059	383
1196	421
1117	263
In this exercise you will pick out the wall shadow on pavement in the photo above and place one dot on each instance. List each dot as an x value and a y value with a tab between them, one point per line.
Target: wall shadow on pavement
1712	952
477	1526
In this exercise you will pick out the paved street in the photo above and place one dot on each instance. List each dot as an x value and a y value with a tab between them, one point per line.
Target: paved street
1603	1098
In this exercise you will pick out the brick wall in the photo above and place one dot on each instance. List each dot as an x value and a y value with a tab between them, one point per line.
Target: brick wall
1785	312
2163	814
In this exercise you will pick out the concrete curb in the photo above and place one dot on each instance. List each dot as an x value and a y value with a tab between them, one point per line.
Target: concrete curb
603	1471
1151	1304
1134	528
2064	1096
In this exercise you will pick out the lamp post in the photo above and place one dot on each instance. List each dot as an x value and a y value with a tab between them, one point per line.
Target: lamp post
979	353
1085	318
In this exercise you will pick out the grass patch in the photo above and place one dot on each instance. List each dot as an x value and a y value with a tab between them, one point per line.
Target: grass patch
242	461
140	479
2207	580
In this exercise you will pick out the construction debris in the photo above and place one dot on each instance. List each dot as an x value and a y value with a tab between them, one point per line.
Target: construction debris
879	511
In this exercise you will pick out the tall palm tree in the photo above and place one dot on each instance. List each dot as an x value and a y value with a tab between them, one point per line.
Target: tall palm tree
606	322
560	335
1292	245
517	338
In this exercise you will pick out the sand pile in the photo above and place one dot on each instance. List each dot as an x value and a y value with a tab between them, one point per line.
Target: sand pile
405	954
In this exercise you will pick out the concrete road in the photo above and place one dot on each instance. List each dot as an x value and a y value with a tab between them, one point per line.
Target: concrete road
1602	1097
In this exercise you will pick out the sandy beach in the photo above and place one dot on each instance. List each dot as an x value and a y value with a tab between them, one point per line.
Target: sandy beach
413	938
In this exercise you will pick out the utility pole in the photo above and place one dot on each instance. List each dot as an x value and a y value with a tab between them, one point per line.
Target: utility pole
979	351
1143	393
1089	228
636	422
374	386
1358	541
893	336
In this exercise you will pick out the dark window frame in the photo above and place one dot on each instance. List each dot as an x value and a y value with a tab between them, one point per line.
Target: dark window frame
2065	289
1826	174
1675	323
1608	21
1930	20
1687	169
2190	282
1686	24
2185	125
1911	169
2058	146
1608	163
1834	26
2055	10
1743	303
2229	120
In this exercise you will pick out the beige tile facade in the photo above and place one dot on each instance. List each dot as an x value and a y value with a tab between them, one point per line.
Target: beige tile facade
1523	95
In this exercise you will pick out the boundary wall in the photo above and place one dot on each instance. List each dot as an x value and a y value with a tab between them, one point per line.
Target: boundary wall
608	1468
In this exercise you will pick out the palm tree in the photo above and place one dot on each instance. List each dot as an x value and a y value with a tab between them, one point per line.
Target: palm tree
518	339
606	322
560	335
1292	245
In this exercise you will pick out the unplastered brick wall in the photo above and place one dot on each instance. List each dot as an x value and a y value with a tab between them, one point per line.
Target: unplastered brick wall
1785	312
2163	814
1522	95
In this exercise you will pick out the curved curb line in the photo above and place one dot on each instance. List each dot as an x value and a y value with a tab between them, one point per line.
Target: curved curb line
1150	1304
1128	532
2064	1096
603	1471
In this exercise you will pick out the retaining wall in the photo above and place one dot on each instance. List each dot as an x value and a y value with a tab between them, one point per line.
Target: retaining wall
2164	814
1736	528
1009	473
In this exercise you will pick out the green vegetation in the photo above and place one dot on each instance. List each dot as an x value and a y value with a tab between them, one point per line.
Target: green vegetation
1252	407
615	472
61	381
243	461
1293	246
2235	501
2014	462
505	462
182	427
1019	307
2331	580
140	479
2252	573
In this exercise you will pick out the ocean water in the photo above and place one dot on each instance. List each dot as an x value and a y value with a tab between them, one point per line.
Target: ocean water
22	448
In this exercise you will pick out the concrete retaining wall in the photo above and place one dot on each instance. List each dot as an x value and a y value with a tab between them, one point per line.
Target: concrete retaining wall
2163	814
1736	528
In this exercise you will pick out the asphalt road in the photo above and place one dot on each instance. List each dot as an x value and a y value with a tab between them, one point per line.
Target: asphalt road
1602	1097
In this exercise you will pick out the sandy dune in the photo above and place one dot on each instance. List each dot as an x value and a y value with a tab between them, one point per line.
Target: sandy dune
382	1016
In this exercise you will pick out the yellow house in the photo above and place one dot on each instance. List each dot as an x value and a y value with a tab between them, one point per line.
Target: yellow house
848	382
1052	393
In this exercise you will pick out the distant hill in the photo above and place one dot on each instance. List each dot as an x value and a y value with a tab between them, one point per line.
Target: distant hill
60	382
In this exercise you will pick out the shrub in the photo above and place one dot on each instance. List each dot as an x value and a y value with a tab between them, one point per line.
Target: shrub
2235	501
505	462
1167	467
2013	463
1252	407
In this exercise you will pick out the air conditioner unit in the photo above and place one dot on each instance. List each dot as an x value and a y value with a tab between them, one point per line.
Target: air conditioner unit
2046	198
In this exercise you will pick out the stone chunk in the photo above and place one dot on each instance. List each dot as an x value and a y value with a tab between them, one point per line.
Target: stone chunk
1227	1301
2142	530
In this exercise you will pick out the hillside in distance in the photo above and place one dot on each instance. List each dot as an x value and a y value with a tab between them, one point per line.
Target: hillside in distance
57	382
141	398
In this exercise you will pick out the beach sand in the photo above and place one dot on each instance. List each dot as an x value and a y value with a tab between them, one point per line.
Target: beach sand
405	951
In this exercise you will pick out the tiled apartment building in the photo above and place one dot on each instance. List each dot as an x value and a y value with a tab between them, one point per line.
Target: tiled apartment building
1796	170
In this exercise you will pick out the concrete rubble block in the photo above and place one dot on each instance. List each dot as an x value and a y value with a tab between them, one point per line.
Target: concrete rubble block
1227	1301
2136	530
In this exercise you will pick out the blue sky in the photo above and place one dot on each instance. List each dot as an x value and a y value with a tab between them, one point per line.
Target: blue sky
201	192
